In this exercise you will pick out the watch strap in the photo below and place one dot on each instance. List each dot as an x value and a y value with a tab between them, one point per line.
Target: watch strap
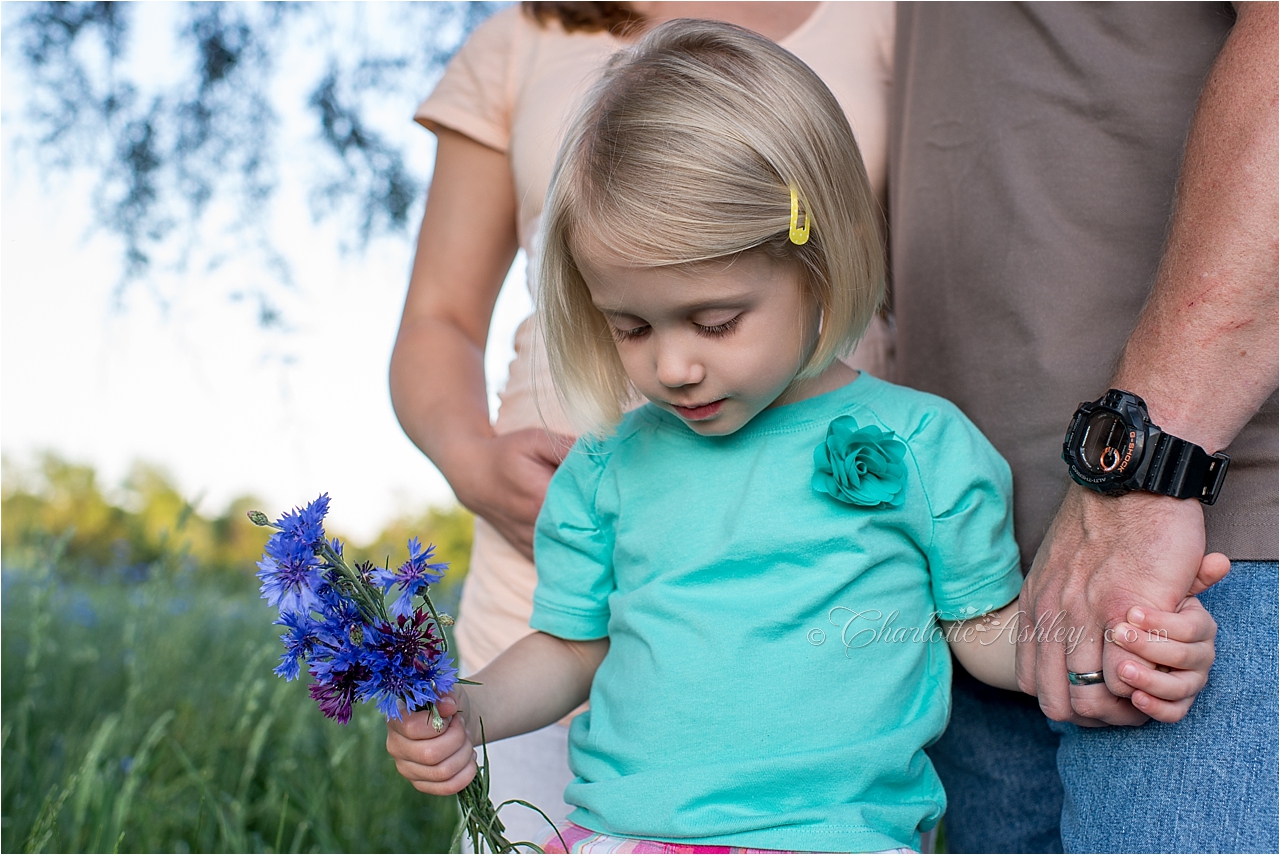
1185	471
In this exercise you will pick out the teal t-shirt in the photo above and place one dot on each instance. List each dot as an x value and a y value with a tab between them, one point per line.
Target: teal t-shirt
775	669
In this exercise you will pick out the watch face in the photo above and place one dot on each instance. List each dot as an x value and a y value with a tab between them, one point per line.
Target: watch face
1106	448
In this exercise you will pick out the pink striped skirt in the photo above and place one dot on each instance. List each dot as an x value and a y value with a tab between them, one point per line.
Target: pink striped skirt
578	839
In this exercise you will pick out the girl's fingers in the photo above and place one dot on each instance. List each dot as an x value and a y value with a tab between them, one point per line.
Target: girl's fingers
1191	622
438	773
458	782
1163	685
1158	649
429	751
1161	710
418	725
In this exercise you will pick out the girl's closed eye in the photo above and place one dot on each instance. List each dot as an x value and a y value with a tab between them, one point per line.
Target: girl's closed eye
628	334
720	329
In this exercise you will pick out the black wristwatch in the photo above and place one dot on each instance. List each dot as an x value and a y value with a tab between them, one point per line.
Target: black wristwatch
1113	447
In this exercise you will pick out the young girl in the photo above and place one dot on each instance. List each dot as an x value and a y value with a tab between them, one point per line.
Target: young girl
755	577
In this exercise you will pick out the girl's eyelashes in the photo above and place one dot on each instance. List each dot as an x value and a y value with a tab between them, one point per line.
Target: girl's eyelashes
620	334
719	329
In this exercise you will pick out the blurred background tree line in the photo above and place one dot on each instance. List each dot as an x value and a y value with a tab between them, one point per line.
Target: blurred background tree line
146	524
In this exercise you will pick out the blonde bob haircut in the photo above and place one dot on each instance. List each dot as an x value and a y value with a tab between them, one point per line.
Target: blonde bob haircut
686	151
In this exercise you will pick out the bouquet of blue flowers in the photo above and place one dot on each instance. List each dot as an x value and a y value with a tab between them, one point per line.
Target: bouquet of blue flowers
357	648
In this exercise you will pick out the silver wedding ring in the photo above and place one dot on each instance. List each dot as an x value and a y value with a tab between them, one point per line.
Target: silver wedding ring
1085	678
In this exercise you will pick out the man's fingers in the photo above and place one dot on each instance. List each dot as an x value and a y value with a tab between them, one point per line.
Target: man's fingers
1213	569
1097	703
1025	656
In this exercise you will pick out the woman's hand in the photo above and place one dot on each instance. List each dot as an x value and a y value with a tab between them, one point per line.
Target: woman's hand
504	480
440	763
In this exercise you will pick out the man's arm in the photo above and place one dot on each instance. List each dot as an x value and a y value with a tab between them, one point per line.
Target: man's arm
1203	357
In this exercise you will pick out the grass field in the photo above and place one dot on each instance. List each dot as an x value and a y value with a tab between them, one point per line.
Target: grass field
144	717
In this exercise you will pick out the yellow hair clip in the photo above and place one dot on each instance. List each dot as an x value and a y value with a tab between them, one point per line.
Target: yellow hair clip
799	233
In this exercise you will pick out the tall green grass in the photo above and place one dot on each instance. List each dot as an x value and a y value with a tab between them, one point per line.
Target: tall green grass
144	717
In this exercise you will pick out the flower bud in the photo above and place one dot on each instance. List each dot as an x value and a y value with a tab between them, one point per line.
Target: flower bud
258	518
446	619
356	634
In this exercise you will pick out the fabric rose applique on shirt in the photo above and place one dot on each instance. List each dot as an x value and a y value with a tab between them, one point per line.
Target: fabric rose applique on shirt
860	466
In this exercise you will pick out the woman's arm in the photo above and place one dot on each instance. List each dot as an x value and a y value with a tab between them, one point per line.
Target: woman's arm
465	249
537	681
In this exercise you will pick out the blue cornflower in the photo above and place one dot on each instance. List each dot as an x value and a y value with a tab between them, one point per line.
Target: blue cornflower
290	570
306	524
441	675
399	658
340	614
336	625
300	641
412	576
290	584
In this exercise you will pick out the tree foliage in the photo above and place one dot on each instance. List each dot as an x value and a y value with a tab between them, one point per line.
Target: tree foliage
187	140
147	524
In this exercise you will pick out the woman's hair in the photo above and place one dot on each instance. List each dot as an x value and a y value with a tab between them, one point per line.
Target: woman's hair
616	18
685	151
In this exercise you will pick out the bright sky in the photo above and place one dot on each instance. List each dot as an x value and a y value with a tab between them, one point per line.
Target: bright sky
199	388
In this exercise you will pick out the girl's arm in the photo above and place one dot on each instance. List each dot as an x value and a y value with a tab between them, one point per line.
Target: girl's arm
987	645
465	248
537	681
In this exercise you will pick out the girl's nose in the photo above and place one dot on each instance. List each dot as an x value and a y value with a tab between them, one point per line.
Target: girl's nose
678	366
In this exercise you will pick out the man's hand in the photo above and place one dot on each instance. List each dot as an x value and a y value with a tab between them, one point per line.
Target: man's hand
1102	557
504	480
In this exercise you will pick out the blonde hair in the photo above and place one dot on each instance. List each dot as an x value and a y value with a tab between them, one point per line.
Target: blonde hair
685	151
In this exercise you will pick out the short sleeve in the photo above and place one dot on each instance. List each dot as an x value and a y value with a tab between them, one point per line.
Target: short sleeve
973	558
475	95
573	550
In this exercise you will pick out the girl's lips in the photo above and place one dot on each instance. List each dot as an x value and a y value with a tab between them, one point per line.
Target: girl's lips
700	412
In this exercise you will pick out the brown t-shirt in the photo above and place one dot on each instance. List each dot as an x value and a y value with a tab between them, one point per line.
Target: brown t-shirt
1033	154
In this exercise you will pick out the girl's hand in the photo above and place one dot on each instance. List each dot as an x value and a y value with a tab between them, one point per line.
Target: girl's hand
506	479
1181	643
439	763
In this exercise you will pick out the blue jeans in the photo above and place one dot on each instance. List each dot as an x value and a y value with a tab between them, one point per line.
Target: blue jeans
997	764
1207	783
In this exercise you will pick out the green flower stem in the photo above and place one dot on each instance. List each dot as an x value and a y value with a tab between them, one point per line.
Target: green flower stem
367	598
480	818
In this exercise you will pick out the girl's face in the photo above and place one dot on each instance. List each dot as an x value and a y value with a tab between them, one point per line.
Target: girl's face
714	343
